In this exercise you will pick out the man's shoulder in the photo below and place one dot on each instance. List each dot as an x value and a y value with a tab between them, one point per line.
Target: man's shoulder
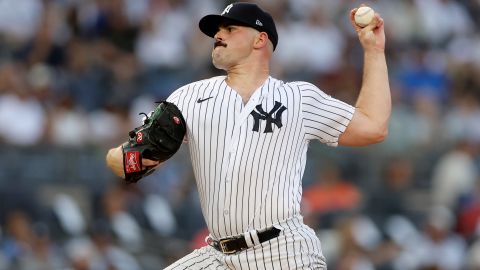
298	87
206	81
194	87
301	84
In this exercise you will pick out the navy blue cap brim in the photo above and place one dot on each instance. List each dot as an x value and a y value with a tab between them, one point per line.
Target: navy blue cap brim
210	24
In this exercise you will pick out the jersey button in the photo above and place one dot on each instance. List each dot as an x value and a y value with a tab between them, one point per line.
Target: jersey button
225	212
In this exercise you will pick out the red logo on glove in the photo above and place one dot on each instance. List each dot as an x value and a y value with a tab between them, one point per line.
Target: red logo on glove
176	120
132	162
139	137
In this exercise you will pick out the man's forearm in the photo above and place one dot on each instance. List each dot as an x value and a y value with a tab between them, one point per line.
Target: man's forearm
374	99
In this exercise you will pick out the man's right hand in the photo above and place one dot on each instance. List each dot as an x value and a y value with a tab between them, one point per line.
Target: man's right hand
114	160
372	36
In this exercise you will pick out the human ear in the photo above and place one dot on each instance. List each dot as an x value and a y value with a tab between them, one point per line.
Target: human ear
261	40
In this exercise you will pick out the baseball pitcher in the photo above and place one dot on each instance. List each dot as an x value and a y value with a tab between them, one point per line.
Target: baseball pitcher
248	137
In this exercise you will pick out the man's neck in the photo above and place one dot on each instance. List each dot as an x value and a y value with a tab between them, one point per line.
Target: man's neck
247	81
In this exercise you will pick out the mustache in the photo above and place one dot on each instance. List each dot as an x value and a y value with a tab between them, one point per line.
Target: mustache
219	43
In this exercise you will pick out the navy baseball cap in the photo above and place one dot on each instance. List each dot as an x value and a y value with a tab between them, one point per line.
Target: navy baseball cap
245	14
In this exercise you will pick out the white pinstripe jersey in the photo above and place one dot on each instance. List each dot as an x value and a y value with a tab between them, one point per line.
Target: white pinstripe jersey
249	159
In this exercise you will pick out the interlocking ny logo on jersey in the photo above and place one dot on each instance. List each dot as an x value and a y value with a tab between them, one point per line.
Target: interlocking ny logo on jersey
260	114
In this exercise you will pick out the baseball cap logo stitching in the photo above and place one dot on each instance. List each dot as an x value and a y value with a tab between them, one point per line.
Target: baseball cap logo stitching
227	9
259	23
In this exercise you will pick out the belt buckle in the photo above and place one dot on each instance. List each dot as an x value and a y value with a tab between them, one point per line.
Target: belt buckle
223	246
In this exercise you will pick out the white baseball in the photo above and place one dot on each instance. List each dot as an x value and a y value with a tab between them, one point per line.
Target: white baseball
364	16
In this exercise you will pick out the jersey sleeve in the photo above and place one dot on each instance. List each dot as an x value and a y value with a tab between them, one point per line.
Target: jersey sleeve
178	99
175	96
324	117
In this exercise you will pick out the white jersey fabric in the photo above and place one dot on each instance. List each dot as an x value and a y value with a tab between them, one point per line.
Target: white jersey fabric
249	159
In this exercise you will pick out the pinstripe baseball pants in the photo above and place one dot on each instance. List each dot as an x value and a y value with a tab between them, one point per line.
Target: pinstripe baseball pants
297	247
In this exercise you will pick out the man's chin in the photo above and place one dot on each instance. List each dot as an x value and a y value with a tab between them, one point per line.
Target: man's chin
218	64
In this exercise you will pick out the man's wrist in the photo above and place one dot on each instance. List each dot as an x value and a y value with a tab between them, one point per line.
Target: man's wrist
374	53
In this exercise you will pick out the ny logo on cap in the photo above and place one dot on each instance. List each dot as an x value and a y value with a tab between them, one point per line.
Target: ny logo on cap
227	9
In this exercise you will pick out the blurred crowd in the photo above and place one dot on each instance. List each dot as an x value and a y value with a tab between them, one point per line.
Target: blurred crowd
75	74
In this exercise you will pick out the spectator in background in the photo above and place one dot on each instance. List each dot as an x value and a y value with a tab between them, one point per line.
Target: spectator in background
80	253
68	124
423	73
454	175
20	19
461	121
102	121
45	253
402	136
162	39
390	197
17	243
468	218
330	197
119	219
161	47
325	57
436	29
474	254
88	79
434	246
358	238
403	21
440	247
426	124
22	118
99	251
108	255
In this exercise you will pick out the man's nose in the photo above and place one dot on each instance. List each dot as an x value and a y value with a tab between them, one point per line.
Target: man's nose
219	35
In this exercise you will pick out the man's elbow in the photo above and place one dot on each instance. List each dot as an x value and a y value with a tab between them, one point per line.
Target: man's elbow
374	135
365	137
379	135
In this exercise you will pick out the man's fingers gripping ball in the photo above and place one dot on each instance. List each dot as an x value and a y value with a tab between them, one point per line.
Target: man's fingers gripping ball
364	16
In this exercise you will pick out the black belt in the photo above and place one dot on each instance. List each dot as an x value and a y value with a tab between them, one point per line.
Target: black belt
238	243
